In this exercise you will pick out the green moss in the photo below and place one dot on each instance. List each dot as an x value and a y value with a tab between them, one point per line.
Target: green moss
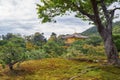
110	73
61	69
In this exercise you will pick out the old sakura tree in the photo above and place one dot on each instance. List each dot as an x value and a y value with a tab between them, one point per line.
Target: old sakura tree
96	11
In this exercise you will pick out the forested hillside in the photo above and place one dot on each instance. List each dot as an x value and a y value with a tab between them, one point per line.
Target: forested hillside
93	30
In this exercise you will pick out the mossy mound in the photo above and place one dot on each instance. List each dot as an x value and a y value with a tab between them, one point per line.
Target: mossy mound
61	69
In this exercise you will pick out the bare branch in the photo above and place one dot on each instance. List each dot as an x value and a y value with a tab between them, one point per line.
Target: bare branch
117	8
112	12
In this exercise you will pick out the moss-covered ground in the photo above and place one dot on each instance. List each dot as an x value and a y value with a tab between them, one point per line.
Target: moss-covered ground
61	69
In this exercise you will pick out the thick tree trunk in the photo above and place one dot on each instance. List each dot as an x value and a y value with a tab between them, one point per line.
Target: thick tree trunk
111	50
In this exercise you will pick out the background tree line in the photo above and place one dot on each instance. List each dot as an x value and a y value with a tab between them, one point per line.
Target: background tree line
15	48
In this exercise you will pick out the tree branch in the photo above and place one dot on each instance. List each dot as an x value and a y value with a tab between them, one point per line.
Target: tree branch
96	12
106	13
98	22
115	9
112	12
84	12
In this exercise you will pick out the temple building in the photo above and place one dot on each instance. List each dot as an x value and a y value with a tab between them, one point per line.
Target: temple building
70	38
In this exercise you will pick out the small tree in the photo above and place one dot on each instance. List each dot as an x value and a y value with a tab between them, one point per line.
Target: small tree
39	39
36	40
54	46
53	37
12	54
13	51
53	49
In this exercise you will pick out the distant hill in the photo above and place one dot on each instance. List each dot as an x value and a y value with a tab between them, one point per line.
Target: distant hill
93	30
90	31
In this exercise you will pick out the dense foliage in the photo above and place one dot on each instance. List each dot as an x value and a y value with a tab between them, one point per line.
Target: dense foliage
15	48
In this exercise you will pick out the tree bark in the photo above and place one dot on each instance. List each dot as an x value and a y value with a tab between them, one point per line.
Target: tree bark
110	48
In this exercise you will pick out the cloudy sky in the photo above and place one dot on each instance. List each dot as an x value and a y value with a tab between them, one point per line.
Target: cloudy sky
20	16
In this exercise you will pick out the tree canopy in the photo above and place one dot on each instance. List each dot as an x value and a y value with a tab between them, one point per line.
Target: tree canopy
83	8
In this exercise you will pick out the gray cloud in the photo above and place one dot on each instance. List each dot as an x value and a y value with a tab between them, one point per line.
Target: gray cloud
20	16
